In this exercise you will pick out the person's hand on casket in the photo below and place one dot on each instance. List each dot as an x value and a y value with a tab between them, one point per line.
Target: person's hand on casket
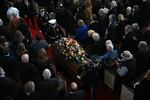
85	62
79	77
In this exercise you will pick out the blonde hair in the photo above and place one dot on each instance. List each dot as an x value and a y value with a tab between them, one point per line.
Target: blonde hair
90	32
120	17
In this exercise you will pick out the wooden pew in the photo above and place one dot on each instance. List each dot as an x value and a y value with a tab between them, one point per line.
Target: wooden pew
127	90
109	77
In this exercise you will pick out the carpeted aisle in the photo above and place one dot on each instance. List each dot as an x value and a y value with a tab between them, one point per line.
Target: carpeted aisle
103	92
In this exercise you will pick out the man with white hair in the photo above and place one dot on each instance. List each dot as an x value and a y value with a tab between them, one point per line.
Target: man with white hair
102	21
74	93
142	57
128	42
27	71
48	87
111	29
25	58
95	37
46	74
11	12
128	10
109	58
113	8
128	15
95	44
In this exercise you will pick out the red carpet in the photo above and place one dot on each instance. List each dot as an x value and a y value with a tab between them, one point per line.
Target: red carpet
103	92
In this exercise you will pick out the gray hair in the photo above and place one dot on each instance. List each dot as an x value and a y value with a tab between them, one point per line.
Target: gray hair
113	4
143	46
95	36
112	17
107	42
128	10
128	28
2	72
109	47
135	26
1	22
103	11
29	86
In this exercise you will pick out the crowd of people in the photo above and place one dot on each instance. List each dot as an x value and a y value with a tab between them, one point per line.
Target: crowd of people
116	32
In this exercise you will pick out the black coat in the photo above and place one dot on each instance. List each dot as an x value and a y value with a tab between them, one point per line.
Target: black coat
54	34
112	31
94	26
131	66
8	63
35	47
102	24
142	91
76	95
128	42
8	87
32	96
28	72
48	89
142	60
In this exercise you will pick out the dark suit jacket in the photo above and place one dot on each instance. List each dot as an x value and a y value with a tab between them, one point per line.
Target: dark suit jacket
28	72
77	95
31	96
128	42
142	61
37	46
48	89
7	86
142	91
131	66
94	26
8	63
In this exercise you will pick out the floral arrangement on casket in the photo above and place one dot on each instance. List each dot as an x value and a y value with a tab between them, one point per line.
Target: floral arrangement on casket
71	50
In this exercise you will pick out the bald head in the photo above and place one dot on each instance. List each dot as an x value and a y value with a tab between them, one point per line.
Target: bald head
73	86
25	58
